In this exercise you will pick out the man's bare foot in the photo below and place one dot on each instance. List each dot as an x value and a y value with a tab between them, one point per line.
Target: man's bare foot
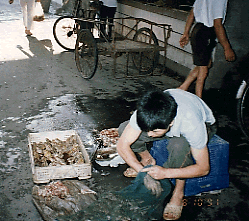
130	172
146	159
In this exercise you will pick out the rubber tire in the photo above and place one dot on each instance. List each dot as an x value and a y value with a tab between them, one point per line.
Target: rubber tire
243	111
72	38
86	54
154	58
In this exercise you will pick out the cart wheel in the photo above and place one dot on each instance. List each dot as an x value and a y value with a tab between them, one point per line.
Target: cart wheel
65	32
86	54
145	61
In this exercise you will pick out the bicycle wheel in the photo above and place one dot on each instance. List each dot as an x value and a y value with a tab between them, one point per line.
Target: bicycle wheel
86	54
65	32
243	108
145	61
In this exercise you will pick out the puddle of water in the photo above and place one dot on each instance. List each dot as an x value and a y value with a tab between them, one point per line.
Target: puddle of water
107	113
63	114
12	156
9	156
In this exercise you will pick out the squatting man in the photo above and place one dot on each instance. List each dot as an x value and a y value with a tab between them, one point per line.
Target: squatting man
186	122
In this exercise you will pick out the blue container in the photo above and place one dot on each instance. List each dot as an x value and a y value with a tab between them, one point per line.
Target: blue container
218	177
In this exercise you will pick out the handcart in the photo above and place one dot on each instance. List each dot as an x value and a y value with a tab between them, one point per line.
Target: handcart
134	37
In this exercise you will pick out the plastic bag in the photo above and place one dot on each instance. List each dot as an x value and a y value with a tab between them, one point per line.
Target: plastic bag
38	12
152	205
62	198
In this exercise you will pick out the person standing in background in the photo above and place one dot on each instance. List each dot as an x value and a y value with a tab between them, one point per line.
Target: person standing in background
28	11
209	16
107	10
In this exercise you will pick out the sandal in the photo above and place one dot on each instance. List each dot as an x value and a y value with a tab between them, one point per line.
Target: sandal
172	212
28	32
129	172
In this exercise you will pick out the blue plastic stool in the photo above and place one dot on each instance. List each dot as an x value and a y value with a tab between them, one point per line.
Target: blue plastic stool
218	177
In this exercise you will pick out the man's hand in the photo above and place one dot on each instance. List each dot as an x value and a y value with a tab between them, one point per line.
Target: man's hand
184	40
156	172
11	1
229	54
222	37
153	185
190	21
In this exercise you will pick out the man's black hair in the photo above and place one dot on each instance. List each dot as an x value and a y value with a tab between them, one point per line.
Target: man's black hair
155	110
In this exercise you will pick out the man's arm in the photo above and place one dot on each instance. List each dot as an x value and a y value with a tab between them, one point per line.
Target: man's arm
185	37
222	37
201	168
128	137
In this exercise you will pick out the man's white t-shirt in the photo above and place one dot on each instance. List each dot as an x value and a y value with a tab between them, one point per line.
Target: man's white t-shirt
192	114
206	11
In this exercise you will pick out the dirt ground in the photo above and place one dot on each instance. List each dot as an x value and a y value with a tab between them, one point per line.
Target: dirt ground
41	90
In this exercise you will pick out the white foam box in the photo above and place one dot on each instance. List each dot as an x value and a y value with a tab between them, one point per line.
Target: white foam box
46	174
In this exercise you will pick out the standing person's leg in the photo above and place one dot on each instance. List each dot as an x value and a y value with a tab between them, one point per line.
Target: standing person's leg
201	77
103	17
30	15
198	73
202	43
111	14
207	64
190	78
194	40
23	4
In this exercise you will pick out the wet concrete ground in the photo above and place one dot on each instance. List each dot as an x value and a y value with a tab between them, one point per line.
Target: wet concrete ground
41	90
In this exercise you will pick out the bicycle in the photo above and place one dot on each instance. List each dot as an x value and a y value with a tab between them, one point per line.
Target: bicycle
242	97
66	28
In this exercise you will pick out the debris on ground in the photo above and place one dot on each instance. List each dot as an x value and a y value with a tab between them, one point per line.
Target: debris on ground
106	154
